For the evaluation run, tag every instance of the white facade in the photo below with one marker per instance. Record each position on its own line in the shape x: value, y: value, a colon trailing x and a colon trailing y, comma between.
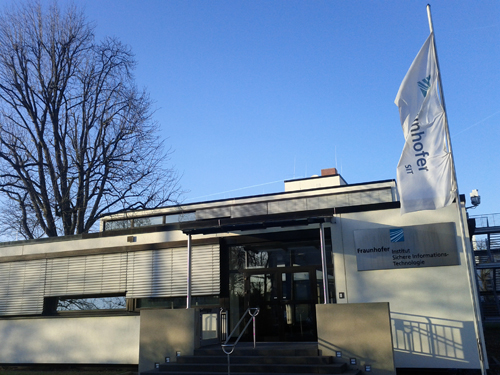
x: 434, y: 324
x: 106, y: 340
x: 431, y: 308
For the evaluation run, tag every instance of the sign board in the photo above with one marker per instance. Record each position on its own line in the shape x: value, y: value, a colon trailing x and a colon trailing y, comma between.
x: 430, y: 245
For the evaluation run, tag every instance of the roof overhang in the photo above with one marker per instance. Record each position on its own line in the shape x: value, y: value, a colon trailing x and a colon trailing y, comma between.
x: 225, y: 225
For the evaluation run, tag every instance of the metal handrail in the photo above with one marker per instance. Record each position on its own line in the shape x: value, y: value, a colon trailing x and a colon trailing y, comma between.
x: 229, y: 348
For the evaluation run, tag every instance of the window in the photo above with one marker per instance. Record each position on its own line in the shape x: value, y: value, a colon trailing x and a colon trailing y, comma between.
x: 177, y: 302
x: 117, y: 225
x: 56, y: 305
x: 273, y: 255
x: 91, y: 303
x: 148, y: 221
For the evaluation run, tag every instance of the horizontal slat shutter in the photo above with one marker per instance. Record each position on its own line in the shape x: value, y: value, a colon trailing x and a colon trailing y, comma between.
x: 178, y: 272
x: 21, y: 287
x: 139, y: 271
x: 206, y: 270
x: 163, y: 273
x: 87, y: 275
x: 157, y: 273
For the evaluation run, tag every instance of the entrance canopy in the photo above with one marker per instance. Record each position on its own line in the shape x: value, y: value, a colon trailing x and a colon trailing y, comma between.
x: 256, y: 222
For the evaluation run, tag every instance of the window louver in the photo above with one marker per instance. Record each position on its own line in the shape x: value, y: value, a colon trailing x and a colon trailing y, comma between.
x: 163, y: 273
x: 86, y: 275
x: 142, y: 274
x: 21, y: 287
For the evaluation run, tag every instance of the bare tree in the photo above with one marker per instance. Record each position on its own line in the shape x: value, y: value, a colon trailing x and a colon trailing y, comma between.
x: 77, y: 137
x: 79, y: 304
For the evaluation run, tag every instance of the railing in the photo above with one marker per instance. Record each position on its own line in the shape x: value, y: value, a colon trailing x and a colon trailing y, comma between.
x: 488, y: 220
x: 229, y: 348
x: 486, y: 245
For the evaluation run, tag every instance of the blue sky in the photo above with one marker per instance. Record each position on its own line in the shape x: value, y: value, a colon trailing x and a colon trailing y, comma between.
x: 252, y: 93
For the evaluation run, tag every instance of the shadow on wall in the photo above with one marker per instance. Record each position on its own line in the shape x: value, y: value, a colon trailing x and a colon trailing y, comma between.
x: 444, y: 340
x: 432, y: 315
x: 364, y: 355
x: 359, y: 335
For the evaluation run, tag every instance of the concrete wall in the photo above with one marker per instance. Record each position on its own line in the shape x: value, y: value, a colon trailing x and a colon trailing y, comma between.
x: 96, y: 340
x: 166, y: 332
x: 432, y: 313
x: 358, y: 330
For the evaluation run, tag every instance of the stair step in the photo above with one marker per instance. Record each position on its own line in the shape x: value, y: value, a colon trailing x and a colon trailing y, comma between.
x: 307, y: 352
x: 267, y: 358
x: 158, y: 372
x: 334, y: 368
x: 317, y: 360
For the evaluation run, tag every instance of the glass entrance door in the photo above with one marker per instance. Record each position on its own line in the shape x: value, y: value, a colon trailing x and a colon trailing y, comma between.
x: 298, y: 302
x: 286, y: 299
x: 281, y: 274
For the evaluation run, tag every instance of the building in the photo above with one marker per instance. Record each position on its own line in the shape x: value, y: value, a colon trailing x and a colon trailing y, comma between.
x: 321, y: 251
x: 486, y: 244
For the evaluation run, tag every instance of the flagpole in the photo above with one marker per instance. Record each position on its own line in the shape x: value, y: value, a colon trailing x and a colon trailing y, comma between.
x: 468, y: 257
x: 441, y: 94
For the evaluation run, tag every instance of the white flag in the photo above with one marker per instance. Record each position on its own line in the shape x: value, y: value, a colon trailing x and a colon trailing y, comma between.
x: 424, y: 173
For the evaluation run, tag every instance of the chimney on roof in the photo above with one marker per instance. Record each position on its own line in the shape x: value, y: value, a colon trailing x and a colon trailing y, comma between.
x: 330, y: 177
x: 329, y: 172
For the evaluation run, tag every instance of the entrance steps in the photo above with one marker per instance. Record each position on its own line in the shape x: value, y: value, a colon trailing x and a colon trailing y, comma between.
x: 266, y: 358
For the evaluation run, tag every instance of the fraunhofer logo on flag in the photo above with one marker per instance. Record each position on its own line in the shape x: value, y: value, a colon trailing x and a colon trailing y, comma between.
x: 424, y: 172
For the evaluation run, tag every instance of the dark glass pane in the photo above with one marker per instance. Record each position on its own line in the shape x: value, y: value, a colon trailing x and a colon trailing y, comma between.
x: 117, y: 224
x: 148, y: 221
x: 237, y: 258
x: 236, y: 299
x: 262, y: 289
x: 281, y: 254
x: 301, y: 286
x: 177, y: 302
x: 85, y: 304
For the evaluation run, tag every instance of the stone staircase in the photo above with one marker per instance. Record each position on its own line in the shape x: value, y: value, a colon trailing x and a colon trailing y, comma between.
x: 266, y: 358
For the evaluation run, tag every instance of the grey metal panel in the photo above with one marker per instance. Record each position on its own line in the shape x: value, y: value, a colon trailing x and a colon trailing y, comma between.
x: 384, y: 195
x: 370, y: 197
x: 277, y: 207
x: 322, y: 202
x: 213, y: 213
x: 328, y: 201
x: 289, y: 205
x: 349, y: 199
x: 341, y: 200
x: 251, y: 209
x: 313, y: 203
x: 21, y: 287
x: 356, y: 199
x: 297, y: 204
